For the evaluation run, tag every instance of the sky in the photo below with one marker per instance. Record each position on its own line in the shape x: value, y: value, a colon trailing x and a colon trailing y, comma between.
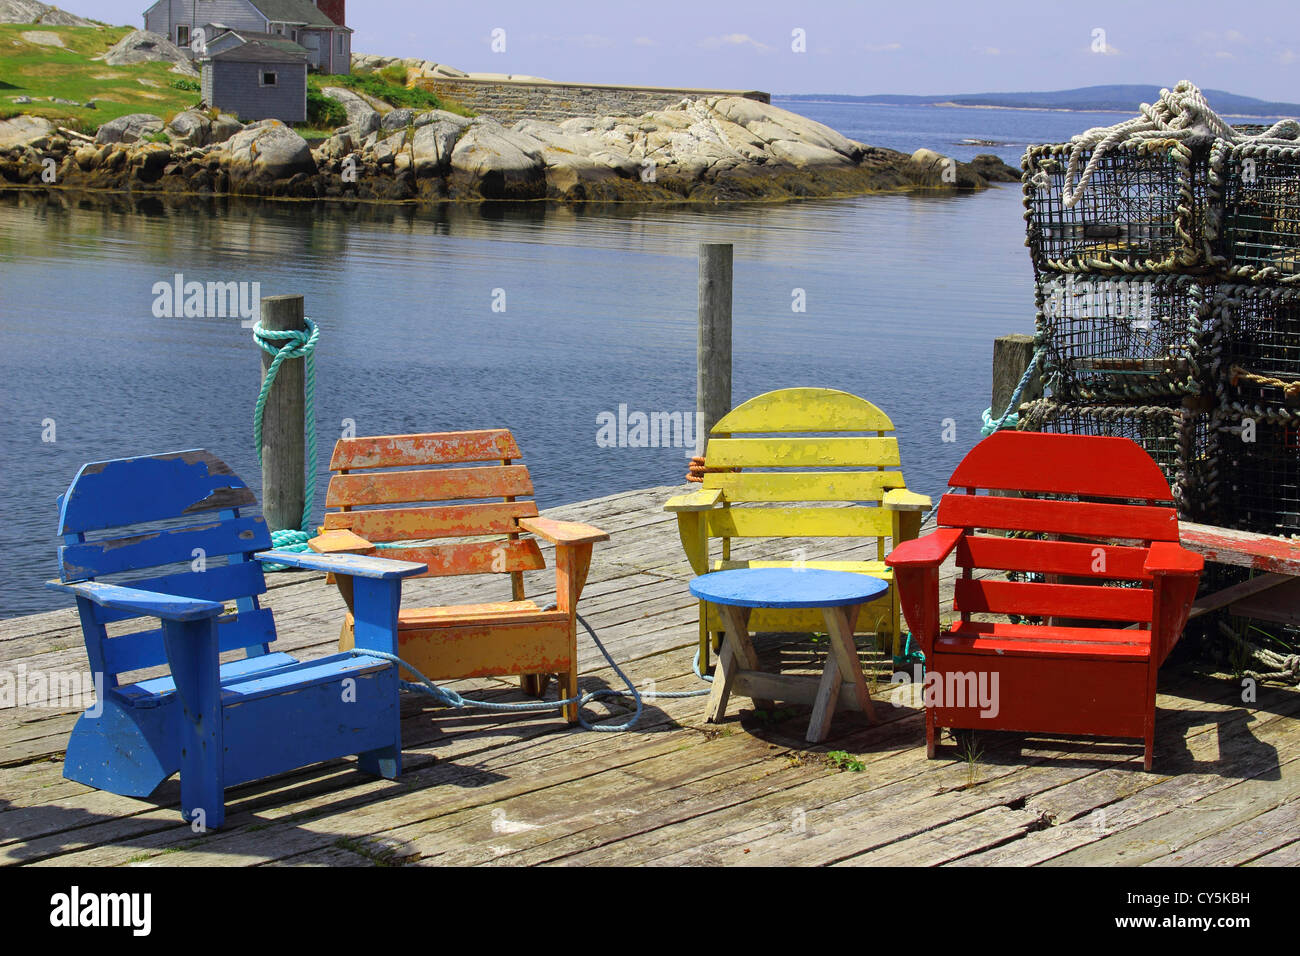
x: 838, y: 46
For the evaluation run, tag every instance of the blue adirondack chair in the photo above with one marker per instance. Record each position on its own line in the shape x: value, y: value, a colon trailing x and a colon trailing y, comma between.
x: 217, y: 724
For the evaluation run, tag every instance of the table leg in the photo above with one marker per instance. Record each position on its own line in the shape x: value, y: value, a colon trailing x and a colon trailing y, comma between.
x: 737, y: 654
x: 842, y: 666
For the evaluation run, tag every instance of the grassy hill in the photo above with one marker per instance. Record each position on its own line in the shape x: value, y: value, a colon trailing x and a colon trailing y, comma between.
x: 29, y: 67
x: 41, y: 61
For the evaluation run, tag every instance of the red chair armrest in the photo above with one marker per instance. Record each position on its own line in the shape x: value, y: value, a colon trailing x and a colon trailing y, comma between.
x: 933, y: 549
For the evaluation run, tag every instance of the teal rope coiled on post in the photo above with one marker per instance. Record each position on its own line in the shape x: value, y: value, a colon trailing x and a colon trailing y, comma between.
x: 291, y: 344
x: 1010, y: 416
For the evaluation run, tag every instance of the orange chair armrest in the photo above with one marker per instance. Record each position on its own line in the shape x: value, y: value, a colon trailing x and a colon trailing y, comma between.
x: 563, y: 532
x: 340, y: 541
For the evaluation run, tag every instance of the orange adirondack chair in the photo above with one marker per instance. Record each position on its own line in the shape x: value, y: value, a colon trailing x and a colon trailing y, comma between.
x: 462, y: 520
x: 1104, y: 513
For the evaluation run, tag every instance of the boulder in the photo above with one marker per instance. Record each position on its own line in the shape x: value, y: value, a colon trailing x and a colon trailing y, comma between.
x: 397, y: 119
x: 498, y: 163
x: 28, y: 11
x: 802, y: 155
x: 198, y: 128
x: 994, y: 169
x: 363, y: 118
x: 23, y: 130
x: 771, y: 123
x: 267, y: 151
x: 129, y: 129
x: 433, y: 145
x: 142, y: 46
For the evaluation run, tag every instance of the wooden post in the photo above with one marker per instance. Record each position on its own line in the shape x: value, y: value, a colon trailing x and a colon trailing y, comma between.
x: 1011, y: 356
x: 713, y: 357
x: 283, y: 443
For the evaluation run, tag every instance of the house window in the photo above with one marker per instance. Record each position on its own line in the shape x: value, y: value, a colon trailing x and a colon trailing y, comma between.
x: 279, y: 28
x: 294, y: 36
x: 343, y: 43
x: 182, y: 36
x: 270, y: 78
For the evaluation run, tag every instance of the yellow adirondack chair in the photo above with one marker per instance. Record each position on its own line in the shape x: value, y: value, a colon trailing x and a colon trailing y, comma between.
x: 798, y: 467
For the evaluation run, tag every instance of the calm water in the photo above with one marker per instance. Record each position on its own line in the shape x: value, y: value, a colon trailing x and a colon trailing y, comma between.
x: 904, y: 297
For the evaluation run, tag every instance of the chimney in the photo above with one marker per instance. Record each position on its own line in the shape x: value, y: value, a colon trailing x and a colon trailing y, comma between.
x: 335, y: 10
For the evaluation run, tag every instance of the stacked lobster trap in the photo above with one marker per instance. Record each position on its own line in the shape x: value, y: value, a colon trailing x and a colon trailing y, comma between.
x: 1166, y: 255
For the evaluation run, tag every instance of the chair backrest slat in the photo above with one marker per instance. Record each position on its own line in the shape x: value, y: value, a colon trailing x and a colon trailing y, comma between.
x: 477, y: 557
x: 442, y: 484
x: 413, y: 524
x: 1064, y: 600
x: 395, y: 451
x: 148, y: 515
x: 771, y: 486
x: 112, y: 494
x: 1084, y: 518
x: 802, y: 452
x: 1073, y: 558
x: 800, y: 522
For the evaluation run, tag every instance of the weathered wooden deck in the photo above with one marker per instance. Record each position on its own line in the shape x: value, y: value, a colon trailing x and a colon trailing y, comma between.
x: 517, y: 790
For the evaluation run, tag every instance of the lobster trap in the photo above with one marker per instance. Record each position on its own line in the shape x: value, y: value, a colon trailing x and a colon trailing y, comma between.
x: 1259, y: 237
x: 1108, y: 338
x: 1179, y: 439
x: 1257, y: 339
x: 1259, y: 471
x: 1144, y: 209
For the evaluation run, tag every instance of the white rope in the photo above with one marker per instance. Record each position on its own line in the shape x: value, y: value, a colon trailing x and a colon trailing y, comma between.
x: 1181, y: 114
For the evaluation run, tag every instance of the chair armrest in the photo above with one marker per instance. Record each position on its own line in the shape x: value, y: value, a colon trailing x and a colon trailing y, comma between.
x: 930, y: 551
x: 340, y: 541
x: 563, y: 532
x: 900, y: 499
x: 167, y: 607
x: 1165, y: 557
x: 703, y: 500
x: 354, y: 565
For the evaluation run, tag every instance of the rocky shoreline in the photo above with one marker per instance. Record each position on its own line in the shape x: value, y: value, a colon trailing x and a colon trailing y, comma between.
x: 719, y: 149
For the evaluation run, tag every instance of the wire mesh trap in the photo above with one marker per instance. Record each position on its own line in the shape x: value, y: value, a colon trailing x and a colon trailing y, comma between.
x: 1260, y: 235
x: 1257, y: 333
x: 1109, y: 338
x: 1145, y: 208
x: 1259, y: 469
x: 1180, y: 440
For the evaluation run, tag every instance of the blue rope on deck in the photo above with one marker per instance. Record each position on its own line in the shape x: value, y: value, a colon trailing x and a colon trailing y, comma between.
x: 284, y: 345
x: 449, y: 698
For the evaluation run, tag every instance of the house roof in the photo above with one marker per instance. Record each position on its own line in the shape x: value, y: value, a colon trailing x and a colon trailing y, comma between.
x: 293, y: 11
x: 262, y: 51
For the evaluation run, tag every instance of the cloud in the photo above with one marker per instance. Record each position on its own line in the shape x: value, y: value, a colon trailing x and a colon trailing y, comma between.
x: 1287, y: 57
x: 1222, y: 55
x: 735, y: 39
x: 882, y: 47
x: 644, y: 41
x: 988, y: 51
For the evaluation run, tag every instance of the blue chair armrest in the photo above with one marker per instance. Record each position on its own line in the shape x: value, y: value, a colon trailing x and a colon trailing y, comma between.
x: 167, y: 607
x: 356, y: 565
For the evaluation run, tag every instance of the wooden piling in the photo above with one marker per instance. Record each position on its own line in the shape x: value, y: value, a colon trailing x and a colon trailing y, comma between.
x: 283, y: 443
x: 713, y: 357
x: 1011, y: 356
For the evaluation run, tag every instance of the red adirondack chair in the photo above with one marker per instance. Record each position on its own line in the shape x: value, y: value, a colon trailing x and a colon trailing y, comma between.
x: 1101, y: 512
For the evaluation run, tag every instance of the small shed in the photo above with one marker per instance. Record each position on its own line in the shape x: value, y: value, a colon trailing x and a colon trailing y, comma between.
x: 257, y: 79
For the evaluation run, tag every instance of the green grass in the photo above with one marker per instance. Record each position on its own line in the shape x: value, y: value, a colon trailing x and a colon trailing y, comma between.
x: 68, y: 72
x: 382, y: 85
x: 842, y: 760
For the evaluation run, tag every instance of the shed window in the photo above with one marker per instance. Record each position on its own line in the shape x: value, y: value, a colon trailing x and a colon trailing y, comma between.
x: 182, y: 35
x: 270, y: 78
x: 343, y: 43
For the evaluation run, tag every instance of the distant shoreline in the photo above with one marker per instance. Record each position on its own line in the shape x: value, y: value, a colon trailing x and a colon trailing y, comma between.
x: 812, y: 98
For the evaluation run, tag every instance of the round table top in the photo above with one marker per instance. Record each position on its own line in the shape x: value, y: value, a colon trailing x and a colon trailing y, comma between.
x: 787, y: 587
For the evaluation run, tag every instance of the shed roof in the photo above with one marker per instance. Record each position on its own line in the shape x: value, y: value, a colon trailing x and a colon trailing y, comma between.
x: 263, y: 51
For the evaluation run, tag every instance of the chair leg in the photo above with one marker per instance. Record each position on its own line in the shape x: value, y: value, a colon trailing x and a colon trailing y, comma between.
x: 569, y: 688
x: 931, y: 734
x: 192, y: 649
x: 534, y: 685
x: 385, y: 762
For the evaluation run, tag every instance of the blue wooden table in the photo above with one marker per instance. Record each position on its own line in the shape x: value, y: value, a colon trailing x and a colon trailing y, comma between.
x: 838, y: 593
